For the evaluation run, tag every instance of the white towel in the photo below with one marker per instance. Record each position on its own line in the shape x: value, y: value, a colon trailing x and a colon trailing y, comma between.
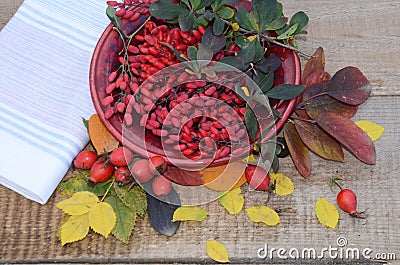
x: 45, y: 53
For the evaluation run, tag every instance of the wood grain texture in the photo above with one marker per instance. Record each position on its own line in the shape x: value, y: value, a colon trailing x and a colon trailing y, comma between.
x: 362, y: 33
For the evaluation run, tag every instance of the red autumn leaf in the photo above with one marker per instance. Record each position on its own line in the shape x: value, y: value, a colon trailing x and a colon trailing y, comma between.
x: 349, y: 135
x: 315, y: 64
x: 184, y: 177
x: 298, y: 151
x: 314, y: 106
x: 316, y: 77
x: 318, y: 141
x: 350, y: 86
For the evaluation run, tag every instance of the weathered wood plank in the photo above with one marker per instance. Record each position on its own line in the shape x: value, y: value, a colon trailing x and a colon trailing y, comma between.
x: 359, y: 33
x: 28, y: 230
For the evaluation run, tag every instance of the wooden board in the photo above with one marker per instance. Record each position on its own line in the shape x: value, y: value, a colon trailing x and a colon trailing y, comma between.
x: 359, y: 33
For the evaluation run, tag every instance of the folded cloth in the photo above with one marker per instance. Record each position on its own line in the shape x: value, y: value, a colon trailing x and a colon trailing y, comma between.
x: 45, y: 53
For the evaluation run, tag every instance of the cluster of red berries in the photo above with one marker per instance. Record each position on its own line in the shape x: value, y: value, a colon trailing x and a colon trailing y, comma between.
x: 116, y: 164
x: 187, y: 113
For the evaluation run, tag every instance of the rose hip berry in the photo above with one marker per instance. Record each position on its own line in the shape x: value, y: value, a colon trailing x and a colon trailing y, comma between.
x: 157, y: 164
x: 161, y: 186
x: 141, y: 170
x: 257, y: 177
x: 101, y: 171
x: 123, y: 176
x: 347, y: 201
x: 121, y: 157
x: 85, y: 159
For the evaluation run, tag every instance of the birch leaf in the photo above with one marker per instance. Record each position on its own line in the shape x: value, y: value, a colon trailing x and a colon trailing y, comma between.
x: 374, y: 131
x: 189, y: 213
x: 327, y: 213
x: 283, y: 184
x: 79, y: 203
x: 74, y: 229
x: 232, y: 201
x: 263, y: 214
x: 217, y: 251
x: 102, y: 218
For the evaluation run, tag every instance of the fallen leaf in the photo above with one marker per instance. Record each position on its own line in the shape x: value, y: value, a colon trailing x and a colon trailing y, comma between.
x: 102, y: 218
x: 283, y: 184
x: 349, y: 135
x: 74, y: 228
x: 314, y: 64
x: 232, y: 201
x: 79, y: 203
x: 79, y: 183
x: 134, y: 198
x: 125, y: 221
x: 217, y: 251
x: 318, y: 141
x: 225, y: 177
x: 189, y: 213
x: 374, y: 131
x: 350, y: 86
x: 326, y: 213
x: 316, y: 77
x: 102, y: 140
x: 298, y: 151
x: 263, y: 214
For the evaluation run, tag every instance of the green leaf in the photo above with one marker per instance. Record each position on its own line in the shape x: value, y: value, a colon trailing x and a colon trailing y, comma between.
x: 216, y: 43
x: 192, y: 53
x: 186, y: 20
x: 86, y: 123
x: 218, y: 26
x: 265, y: 81
x: 135, y: 198
x: 111, y: 14
x: 225, y: 12
x: 252, y: 52
x: 285, y: 91
x: 189, y: 213
x: 288, y: 33
x: 166, y: 9
x: 277, y: 23
x: 232, y: 61
x: 265, y: 11
x: 245, y: 19
x: 301, y: 19
x: 251, y: 122
x: 202, y: 4
x: 79, y: 183
x: 201, y: 20
x: 209, y: 15
x: 204, y: 53
x: 126, y: 219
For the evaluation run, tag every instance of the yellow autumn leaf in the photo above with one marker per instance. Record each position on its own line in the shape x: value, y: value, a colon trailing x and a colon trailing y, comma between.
x: 326, y: 213
x: 79, y: 203
x: 74, y: 228
x: 283, y: 185
x: 102, y: 218
x: 217, y: 251
x: 232, y: 201
x: 374, y: 131
x: 251, y: 38
x: 189, y: 213
x: 102, y: 140
x: 251, y: 159
x: 263, y: 214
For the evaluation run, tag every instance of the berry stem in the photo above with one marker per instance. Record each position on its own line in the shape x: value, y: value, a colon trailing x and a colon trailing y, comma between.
x: 108, y: 190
